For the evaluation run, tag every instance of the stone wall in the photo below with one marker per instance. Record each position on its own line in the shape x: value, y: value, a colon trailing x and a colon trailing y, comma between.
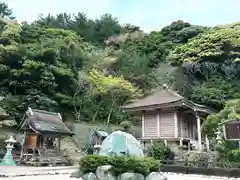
x: 104, y: 173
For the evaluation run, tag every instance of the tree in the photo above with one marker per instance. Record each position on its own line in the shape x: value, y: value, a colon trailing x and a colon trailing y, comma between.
x: 114, y: 90
x: 214, y: 45
x: 5, y: 12
x: 208, y: 59
x: 230, y: 111
x: 89, y: 67
x: 215, y: 92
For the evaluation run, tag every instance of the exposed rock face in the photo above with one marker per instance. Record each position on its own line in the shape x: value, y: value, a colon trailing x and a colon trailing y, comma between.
x: 104, y: 173
x: 89, y: 176
x: 156, y: 176
x: 130, y: 176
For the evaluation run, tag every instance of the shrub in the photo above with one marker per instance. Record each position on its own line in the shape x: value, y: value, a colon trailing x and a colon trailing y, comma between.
x: 201, y: 159
x: 160, y: 151
x: 121, y: 164
x: 224, y: 148
x: 125, y: 126
x: 234, y: 155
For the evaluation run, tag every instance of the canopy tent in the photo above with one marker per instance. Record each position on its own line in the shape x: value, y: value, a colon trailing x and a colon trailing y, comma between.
x: 121, y: 143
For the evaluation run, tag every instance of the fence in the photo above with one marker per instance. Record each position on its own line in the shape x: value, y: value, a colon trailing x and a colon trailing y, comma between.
x: 205, y: 168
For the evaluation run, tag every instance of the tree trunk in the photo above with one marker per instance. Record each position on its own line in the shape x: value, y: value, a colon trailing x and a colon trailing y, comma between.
x: 77, y: 113
x: 109, y: 114
x: 96, y: 113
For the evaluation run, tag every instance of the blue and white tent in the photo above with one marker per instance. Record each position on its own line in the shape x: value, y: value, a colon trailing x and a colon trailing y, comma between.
x: 121, y: 143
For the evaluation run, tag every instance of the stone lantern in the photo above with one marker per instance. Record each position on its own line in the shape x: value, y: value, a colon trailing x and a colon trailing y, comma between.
x: 8, y: 158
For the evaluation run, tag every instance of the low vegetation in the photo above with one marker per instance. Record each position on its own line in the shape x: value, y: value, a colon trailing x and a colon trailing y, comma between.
x: 160, y: 151
x: 120, y: 164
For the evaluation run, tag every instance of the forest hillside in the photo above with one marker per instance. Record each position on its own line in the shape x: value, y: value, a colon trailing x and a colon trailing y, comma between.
x: 86, y: 69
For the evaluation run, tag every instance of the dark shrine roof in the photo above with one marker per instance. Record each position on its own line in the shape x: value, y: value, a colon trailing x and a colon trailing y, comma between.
x: 45, y: 122
x: 231, y: 121
x: 101, y: 133
x: 164, y: 98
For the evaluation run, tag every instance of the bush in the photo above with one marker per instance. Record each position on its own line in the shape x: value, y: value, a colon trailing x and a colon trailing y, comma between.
x: 160, y: 151
x: 125, y: 126
x: 121, y: 164
x: 224, y: 148
x: 201, y: 159
x: 234, y: 155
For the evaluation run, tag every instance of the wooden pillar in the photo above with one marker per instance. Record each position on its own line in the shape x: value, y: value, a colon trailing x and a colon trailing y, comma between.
x: 158, y: 124
x: 207, y: 142
x: 176, y: 124
x: 44, y: 144
x: 58, y: 145
x: 165, y: 142
x: 199, y: 132
x: 181, y: 141
x: 143, y: 128
x: 23, y: 143
x: 194, y: 130
x: 189, y: 145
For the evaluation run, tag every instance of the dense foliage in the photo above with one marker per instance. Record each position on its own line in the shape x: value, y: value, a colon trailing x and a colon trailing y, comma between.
x: 229, y: 112
x: 86, y: 69
x: 234, y: 156
x: 121, y: 164
x: 160, y: 151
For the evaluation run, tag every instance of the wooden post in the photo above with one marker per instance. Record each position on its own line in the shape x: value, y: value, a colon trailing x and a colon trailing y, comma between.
x: 207, y: 142
x: 199, y: 132
x: 158, y: 124
x: 189, y: 145
x: 44, y: 145
x: 143, y: 127
x: 23, y: 143
x: 175, y: 124
x: 165, y: 142
x: 59, y: 146
x: 181, y: 141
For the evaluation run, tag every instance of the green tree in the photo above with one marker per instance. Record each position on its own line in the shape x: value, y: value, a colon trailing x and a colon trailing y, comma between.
x: 230, y: 111
x: 113, y: 90
x: 5, y: 12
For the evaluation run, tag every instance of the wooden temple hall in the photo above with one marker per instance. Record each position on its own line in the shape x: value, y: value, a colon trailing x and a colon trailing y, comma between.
x: 169, y: 117
x: 42, y: 133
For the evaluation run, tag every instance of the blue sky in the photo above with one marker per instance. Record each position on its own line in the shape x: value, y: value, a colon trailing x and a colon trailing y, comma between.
x: 148, y: 14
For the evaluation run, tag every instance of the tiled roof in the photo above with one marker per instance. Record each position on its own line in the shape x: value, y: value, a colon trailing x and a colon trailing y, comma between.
x: 46, y: 122
x: 159, y: 97
x: 164, y: 97
x: 101, y: 133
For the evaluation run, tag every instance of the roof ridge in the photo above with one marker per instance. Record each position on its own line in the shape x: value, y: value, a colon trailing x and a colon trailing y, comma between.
x: 45, y: 112
x: 174, y: 93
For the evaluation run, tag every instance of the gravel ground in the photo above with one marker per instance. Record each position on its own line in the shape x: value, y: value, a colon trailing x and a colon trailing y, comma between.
x: 170, y: 176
